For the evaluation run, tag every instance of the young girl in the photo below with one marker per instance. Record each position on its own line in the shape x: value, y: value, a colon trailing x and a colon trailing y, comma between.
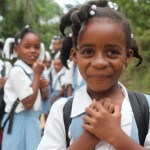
x: 24, y: 84
x: 46, y: 75
x: 57, y: 83
x: 102, y: 116
x: 56, y: 47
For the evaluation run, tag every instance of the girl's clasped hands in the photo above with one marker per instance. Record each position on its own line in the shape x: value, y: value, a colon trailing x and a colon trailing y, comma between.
x: 103, y: 119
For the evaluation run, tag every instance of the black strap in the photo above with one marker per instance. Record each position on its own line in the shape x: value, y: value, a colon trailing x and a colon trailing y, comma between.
x: 3, y: 70
x: 11, y: 117
x: 23, y: 70
x: 140, y: 109
x: 67, y: 119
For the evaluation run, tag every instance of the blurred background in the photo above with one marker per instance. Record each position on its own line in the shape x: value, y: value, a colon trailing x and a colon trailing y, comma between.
x: 43, y: 16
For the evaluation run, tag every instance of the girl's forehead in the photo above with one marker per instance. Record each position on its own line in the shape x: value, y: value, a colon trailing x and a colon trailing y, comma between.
x: 31, y: 34
x: 31, y: 37
x: 105, y: 25
x: 105, y: 30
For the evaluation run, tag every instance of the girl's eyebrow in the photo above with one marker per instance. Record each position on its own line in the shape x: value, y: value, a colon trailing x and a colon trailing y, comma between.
x: 86, y: 45
x: 92, y: 45
x: 113, y: 45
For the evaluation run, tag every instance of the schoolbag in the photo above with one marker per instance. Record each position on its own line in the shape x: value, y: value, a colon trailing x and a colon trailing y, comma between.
x: 11, y: 114
x: 140, y: 109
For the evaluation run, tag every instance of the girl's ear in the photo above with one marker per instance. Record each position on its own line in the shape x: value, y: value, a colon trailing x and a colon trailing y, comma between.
x: 129, y: 56
x: 73, y: 54
x: 16, y: 49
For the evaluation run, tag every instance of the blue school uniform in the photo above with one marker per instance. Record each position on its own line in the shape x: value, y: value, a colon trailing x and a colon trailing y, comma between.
x: 78, y: 81
x: 46, y: 102
x: 26, y: 132
x: 57, y: 84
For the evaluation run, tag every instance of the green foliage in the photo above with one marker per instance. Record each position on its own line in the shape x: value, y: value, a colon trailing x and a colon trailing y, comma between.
x: 36, y: 13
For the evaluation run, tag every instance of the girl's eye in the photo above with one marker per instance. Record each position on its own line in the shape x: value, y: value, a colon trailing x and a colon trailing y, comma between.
x: 37, y: 47
x: 113, y: 52
x: 88, y: 52
x: 27, y: 46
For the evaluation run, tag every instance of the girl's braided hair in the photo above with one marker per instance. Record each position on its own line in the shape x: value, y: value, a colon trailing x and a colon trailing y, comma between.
x: 77, y: 17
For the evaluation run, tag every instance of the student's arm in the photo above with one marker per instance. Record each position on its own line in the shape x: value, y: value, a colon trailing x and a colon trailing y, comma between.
x: 43, y: 88
x: 59, y: 94
x: 38, y: 68
x: 106, y: 126
x: 125, y: 142
x: 69, y: 89
x: 86, y: 141
x: 2, y: 81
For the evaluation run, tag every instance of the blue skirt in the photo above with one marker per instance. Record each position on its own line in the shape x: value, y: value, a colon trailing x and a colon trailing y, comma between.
x: 46, y: 104
x: 26, y: 132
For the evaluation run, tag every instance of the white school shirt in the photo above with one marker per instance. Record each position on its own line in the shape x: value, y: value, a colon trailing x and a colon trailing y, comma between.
x: 58, y: 84
x: 54, y: 135
x: 46, y: 73
x: 19, y: 85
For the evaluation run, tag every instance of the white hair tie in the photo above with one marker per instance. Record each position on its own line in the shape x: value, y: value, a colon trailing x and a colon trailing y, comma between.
x: 113, y: 5
x: 93, y: 9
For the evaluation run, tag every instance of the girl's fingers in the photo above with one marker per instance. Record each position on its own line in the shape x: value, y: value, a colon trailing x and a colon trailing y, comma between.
x: 90, y: 111
x: 116, y: 109
x: 87, y: 119
x: 111, y: 109
x: 107, y: 103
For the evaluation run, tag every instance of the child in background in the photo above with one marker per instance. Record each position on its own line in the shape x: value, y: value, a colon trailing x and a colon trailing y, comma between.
x: 73, y: 79
x: 25, y: 84
x: 58, y: 87
x: 56, y: 45
x: 46, y: 75
x: 102, y: 116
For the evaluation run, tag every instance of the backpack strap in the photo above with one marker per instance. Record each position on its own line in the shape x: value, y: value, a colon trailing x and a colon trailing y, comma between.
x: 140, y: 109
x: 67, y: 119
x: 23, y: 70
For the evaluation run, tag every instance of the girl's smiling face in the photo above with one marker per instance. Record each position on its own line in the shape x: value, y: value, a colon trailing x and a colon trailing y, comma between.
x: 101, y: 54
x: 29, y: 48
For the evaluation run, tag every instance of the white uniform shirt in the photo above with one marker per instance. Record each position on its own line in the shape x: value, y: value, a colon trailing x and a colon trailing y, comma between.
x: 18, y: 85
x: 57, y: 85
x: 54, y: 136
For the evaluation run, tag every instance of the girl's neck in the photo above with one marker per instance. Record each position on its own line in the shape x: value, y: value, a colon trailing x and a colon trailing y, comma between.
x: 114, y: 93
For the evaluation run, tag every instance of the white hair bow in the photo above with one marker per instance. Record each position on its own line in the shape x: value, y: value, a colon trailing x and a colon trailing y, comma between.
x: 7, y: 49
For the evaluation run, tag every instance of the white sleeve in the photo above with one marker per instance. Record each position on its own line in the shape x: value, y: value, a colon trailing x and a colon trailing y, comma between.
x: 54, y: 137
x: 21, y: 83
x: 68, y: 77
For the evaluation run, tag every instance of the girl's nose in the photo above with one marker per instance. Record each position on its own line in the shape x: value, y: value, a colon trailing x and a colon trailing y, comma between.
x: 100, y: 61
x: 33, y: 49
